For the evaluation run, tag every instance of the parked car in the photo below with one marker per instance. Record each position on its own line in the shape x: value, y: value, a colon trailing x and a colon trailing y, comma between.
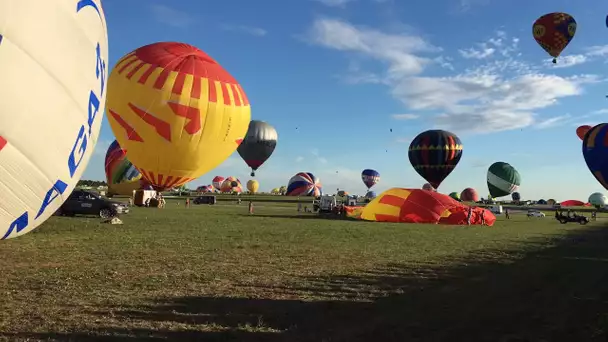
x: 535, y: 213
x: 82, y: 202
x: 205, y: 200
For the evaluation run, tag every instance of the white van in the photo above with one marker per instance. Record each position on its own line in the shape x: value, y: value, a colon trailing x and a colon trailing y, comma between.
x: 495, y: 209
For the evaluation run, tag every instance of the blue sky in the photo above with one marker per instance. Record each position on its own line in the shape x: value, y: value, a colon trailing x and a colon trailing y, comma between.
x: 346, y: 72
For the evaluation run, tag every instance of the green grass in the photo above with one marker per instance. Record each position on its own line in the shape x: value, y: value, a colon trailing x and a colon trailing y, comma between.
x: 216, y: 273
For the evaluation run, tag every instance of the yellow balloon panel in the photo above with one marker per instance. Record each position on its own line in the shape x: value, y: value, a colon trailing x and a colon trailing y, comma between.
x: 253, y: 186
x: 176, y: 111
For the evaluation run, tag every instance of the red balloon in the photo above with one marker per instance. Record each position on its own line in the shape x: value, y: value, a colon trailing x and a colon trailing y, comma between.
x: 582, y: 130
x: 469, y: 195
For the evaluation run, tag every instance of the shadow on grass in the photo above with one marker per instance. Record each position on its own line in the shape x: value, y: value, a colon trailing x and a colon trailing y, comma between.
x: 559, y: 293
x: 308, y: 217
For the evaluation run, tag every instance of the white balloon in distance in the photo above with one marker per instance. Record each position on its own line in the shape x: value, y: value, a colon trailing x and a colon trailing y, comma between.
x: 53, y: 56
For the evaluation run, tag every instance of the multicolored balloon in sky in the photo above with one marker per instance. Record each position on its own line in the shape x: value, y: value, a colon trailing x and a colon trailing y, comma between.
x: 370, y: 177
x: 304, y: 184
x: 434, y: 155
x: 122, y: 177
x: 176, y: 111
x: 595, y: 150
x: 553, y: 32
x: 53, y: 69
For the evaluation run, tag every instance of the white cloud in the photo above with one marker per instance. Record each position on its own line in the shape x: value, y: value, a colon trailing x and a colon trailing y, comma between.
x: 171, y: 16
x: 500, y: 43
x: 590, y: 54
x: 402, y: 140
x: 299, y: 159
x: 254, y: 31
x: 335, y: 3
x: 554, y: 121
x: 502, y: 92
x: 397, y: 51
x: 405, y: 116
x: 567, y: 61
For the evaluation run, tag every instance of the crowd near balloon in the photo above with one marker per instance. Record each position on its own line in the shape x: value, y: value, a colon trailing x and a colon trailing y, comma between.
x: 177, y: 113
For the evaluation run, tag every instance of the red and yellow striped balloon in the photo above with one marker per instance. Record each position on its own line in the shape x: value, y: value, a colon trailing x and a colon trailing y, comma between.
x: 176, y: 112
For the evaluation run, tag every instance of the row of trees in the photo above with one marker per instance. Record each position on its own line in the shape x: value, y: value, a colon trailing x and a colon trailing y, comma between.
x: 91, y: 183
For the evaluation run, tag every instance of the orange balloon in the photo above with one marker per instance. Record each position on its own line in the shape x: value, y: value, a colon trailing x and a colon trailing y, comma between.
x: 582, y: 130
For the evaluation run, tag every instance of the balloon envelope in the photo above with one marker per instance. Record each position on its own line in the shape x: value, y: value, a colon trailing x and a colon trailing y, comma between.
x: 595, y: 151
x: 598, y: 199
x: 176, y: 111
x: 217, y: 182
x: 53, y: 69
x: 516, y: 196
x: 428, y: 187
x: 304, y: 184
x: 121, y: 176
x: 231, y: 184
x: 419, y: 206
x: 503, y: 179
x: 582, y: 130
x: 553, y: 32
x: 434, y: 154
x: 258, y: 145
x: 370, y: 177
x: 469, y: 195
x: 253, y: 186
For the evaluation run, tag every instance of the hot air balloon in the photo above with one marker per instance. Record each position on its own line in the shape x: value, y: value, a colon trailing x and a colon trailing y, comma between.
x: 419, y: 206
x: 205, y: 189
x: 258, y: 145
x: 595, y: 150
x: 455, y: 196
x: 434, y: 154
x: 428, y: 187
x: 553, y: 32
x: 122, y: 177
x: 503, y: 179
x: 53, y: 57
x: 217, y: 182
x: 231, y: 185
x: 304, y: 184
x: 582, y: 130
x: 516, y: 196
x: 598, y: 199
x: 176, y: 111
x: 469, y: 195
x: 253, y: 186
x: 370, y: 177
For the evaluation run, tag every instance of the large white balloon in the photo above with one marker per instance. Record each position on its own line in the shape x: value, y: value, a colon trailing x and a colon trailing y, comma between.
x: 53, y: 75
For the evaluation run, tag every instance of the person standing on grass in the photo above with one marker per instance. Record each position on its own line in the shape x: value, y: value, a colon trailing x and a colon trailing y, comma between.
x: 250, y: 207
x: 483, y: 217
x: 594, y: 215
x: 187, y: 202
x: 507, y: 216
x: 469, y: 216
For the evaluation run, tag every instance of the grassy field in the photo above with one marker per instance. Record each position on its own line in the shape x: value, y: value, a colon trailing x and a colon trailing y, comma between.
x: 215, y: 273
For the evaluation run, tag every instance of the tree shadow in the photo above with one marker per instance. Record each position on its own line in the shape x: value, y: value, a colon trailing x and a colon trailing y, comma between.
x: 540, y: 293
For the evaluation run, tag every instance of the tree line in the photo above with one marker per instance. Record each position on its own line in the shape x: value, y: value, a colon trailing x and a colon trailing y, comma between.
x: 91, y: 183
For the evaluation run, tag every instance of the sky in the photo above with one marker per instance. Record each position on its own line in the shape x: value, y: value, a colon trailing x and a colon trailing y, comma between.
x: 334, y: 77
